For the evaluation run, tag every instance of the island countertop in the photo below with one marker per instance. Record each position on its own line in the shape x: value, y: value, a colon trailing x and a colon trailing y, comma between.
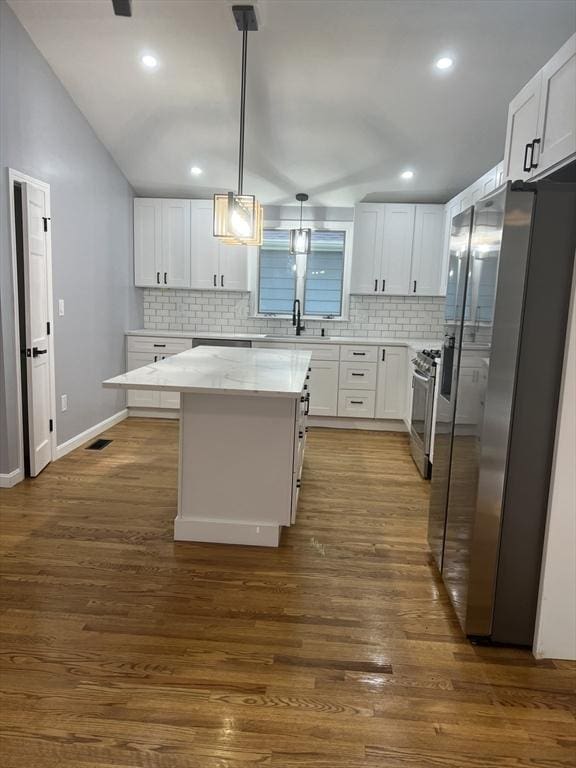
x: 223, y: 370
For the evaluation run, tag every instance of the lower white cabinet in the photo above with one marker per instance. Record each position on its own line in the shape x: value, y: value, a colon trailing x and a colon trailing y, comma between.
x: 358, y: 376
x: 356, y: 403
x: 323, y: 388
x: 391, y: 390
x: 145, y: 350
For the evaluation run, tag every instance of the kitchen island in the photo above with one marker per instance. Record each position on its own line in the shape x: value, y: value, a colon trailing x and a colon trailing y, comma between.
x: 242, y: 436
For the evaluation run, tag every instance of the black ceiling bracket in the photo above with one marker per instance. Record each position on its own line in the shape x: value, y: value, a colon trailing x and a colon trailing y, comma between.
x: 245, y: 17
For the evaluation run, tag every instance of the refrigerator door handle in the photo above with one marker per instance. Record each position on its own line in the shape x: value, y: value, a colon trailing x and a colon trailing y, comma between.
x: 527, y: 166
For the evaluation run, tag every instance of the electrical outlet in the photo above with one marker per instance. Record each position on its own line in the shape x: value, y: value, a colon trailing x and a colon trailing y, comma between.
x: 64, y: 401
x: 61, y: 307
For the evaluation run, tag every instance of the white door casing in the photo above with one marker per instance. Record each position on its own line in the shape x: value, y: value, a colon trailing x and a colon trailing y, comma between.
x: 37, y: 287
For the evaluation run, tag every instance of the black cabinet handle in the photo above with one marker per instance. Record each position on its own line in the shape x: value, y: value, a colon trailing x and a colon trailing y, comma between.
x: 159, y: 345
x: 359, y: 354
x: 155, y: 358
x: 527, y: 167
x: 376, y: 284
x: 307, y: 411
x: 414, y: 291
x: 383, y: 355
x: 215, y: 283
x: 532, y: 163
x: 357, y: 402
x: 358, y: 374
x: 300, y: 435
x: 383, y: 285
x: 221, y: 281
x: 158, y: 277
x: 165, y: 276
x: 298, y: 483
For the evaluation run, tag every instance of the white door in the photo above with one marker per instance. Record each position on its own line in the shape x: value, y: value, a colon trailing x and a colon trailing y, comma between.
x: 147, y: 242
x: 38, y: 363
x: 391, y: 387
x: 142, y: 398
x: 323, y: 388
x: 522, y: 130
x: 367, y: 253
x: 203, y: 247
x: 233, y: 267
x: 397, y: 248
x: 427, y: 251
x: 557, y: 123
x: 176, y: 243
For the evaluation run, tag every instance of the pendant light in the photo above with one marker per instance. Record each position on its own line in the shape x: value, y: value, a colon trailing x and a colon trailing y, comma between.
x: 238, y: 218
x: 300, y: 239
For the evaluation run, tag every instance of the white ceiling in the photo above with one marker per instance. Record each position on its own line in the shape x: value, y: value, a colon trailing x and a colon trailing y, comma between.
x: 342, y: 94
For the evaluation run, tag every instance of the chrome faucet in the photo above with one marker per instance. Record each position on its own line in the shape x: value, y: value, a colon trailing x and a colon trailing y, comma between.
x: 296, y: 317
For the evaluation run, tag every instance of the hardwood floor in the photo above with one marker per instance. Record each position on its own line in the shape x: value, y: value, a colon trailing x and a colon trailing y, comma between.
x: 338, y: 650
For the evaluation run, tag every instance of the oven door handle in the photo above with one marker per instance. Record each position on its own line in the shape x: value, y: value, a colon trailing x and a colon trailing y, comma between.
x: 420, y: 376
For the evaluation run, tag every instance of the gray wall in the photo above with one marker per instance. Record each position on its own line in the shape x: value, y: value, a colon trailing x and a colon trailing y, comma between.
x: 43, y: 134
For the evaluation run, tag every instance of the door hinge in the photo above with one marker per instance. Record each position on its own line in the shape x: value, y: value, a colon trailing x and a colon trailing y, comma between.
x: 51, y: 425
x: 45, y: 219
x: 47, y: 329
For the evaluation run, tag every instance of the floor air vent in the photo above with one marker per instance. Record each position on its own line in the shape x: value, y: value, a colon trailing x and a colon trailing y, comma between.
x: 97, y: 445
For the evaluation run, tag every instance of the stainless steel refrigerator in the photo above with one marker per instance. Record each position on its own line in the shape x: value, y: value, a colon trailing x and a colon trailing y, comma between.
x: 510, y: 275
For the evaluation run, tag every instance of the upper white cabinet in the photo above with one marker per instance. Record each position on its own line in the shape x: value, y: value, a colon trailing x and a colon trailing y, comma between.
x: 397, y: 249
x: 427, y: 250
x: 162, y: 243
x: 541, y: 131
x: 174, y: 247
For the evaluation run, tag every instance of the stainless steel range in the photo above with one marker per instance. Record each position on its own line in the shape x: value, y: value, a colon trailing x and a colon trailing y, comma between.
x: 422, y: 420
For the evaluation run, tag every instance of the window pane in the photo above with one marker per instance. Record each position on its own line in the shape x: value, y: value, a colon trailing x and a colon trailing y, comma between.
x: 325, y: 274
x: 277, y: 283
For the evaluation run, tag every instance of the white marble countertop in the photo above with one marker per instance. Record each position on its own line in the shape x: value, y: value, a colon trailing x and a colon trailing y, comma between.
x: 223, y: 370
x: 306, y: 340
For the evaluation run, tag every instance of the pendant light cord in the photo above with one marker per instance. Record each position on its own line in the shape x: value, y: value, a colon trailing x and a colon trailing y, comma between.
x: 242, y: 110
x: 301, y: 204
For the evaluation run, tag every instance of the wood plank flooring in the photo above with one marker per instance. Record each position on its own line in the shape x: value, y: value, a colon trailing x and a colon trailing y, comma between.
x: 338, y: 650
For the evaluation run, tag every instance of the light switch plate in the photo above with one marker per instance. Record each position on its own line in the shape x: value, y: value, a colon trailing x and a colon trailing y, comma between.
x: 64, y: 401
x: 61, y: 307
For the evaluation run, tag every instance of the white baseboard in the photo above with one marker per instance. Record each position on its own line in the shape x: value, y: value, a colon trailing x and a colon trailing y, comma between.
x: 88, y: 434
x: 154, y: 413
x: 227, y: 532
x: 11, y: 478
x: 344, y: 422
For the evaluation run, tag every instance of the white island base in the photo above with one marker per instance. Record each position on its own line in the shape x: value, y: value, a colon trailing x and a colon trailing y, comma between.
x: 239, y: 469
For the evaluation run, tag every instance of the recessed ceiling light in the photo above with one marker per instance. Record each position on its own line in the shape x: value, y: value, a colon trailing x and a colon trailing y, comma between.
x: 196, y: 171
x: 407, y: 175
x: 445, y: 62
x: 149, y: 61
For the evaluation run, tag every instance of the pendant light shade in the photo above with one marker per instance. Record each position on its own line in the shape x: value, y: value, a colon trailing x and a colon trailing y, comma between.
x: 300, y: 239
x: 238, y: 218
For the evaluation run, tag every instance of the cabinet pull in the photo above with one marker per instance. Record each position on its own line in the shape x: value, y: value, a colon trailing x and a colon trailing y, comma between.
x: 383, y: 285
x: 298, y: 483
x: 158, y: 277
x: 300, y: 435
x: 215, y: 281
x: 221, y: 281
x: 357, y: 402
x: 359, y: 354
x: 383, y: 355
x: 358, y: 374
x: 155, y: 358
x: 527, y: 166
x: 414, y: 291
x: 307, y: 411
x: 376, y: 284
x: 532, y: 163
x: 165, y: 276
x: 159, y: 345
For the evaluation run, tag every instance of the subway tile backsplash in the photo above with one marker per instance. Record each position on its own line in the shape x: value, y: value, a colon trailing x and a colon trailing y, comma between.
x: 412, y: 317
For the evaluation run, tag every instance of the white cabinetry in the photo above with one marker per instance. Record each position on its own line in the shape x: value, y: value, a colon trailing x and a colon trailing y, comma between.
x: 162, y: 243
x: 214, y: 265
x: 541, y: 130
x: 145, y: 350
x: 391, y: 390
x: 396, y: 244
x: 323, y: 388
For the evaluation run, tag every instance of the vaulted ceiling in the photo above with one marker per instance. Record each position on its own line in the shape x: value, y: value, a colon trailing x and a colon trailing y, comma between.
x: 342, y: 94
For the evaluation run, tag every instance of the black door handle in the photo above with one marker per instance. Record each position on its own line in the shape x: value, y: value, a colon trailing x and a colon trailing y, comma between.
x: 158, y: 277
x: 532, y: 163
x: 527, y: 167
x: 215, y: 281
x: 376, y: 284
x: 165, y: 276
x: 414, y: 286
x: 383, y: 285
x: 36, y: 351
x: 221, y: 281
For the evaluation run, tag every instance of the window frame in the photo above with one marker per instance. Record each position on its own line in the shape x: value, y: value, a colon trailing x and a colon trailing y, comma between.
x: 330, y: 226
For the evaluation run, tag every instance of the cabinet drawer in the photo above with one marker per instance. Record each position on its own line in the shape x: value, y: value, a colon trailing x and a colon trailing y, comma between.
x: 358, y: 376
x: 358, y: 354
x: 321, y: 351
x: 158, y: 344
x: 356, y: 404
